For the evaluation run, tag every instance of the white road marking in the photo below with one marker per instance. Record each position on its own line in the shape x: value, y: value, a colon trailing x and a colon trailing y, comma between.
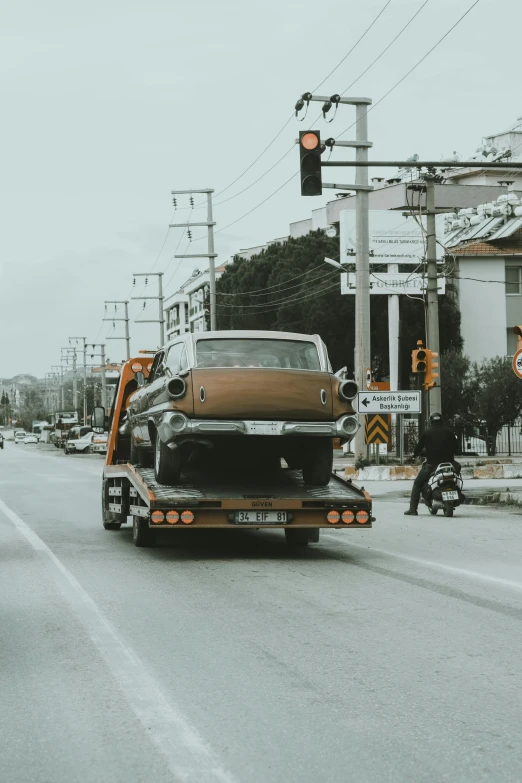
x: 188, y: 756
x: 433, y: 564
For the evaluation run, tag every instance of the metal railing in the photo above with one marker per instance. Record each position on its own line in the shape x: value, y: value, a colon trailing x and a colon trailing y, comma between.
x: 474, y: 442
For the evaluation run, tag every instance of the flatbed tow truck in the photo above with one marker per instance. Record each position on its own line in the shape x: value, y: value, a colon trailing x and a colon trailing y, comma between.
x: 202, y: 500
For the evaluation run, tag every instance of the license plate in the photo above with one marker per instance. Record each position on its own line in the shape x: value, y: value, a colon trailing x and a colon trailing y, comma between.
x: 263, y: 428
x: 260, y: 517
x: 452, y: 495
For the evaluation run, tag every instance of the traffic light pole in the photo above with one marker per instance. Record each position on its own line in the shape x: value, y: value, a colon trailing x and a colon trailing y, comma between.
x: 433, y: 397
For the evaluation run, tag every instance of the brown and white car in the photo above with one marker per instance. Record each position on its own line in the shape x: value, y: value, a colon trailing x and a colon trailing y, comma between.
x: 228, y: 397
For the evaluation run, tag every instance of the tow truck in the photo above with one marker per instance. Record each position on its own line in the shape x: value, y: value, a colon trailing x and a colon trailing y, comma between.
x: 204, y: 500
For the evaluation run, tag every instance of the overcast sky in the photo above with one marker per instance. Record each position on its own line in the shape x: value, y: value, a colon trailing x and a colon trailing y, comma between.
x: 108, y: 105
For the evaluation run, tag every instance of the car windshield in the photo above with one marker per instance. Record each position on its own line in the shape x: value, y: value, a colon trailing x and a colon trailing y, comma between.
x: 254, y: 352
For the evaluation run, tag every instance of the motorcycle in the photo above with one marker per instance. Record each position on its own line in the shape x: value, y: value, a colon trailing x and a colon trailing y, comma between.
x: 444, y: 490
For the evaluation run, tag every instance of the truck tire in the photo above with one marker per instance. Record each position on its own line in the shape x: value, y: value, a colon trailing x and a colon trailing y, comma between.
x: 318, y: 463
x: 141, y: 533
x: 301, y: 537
x: 167, y: 463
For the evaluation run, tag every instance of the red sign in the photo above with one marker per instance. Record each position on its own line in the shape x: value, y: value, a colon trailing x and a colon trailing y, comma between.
x: 517, y: 363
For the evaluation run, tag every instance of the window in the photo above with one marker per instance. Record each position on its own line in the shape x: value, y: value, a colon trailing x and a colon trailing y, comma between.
x: 513, y: 279
x: 177, y: 358
x: 254, y: 352
x: 157, y: 367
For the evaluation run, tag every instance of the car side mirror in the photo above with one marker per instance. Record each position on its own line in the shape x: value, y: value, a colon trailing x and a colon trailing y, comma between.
x: 98, y: 419
x: 140, y: 379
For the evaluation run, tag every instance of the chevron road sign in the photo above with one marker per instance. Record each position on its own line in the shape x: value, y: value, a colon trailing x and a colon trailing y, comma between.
x: 389, y: 402
x: 377, y: 428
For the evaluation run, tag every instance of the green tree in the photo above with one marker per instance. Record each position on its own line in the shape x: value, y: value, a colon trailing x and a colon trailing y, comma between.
x: 32, y: 406
x: 289, y: 288
x: 495, y: 397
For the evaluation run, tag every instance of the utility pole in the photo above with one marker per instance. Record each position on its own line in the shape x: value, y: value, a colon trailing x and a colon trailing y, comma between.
x: 84, y: 376
x: 210, y: 254
x: 101, y: 346
x: 60, y: 367
x: 159, y: 297
x: 68, y: 351
x: 126, y: 319
x: 433, y: 396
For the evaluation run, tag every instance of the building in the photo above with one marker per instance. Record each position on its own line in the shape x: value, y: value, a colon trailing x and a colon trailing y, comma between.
x: 485, y: 245
x: 185, y: 311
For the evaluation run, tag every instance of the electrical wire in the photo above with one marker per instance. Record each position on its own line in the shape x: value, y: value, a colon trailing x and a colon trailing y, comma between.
x: 325, y: 273
x: 260, y: 291
x: 413, y: 68
x: 287, y: 302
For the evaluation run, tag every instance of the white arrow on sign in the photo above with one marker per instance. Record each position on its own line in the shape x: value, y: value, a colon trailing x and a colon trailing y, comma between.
x: 389, y: 402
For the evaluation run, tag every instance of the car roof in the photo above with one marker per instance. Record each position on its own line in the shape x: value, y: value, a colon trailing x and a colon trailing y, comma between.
x: 249, y: 334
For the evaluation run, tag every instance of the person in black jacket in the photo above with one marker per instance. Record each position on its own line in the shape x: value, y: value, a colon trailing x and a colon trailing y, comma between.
x: 439, y: 444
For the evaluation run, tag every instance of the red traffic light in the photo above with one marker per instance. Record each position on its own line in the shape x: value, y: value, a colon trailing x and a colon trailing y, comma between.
x: 310, y: 141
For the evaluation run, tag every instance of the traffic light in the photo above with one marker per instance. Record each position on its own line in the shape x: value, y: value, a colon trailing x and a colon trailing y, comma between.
x: 418, y: 358
x: 431, y: 365
x: 310, y: 156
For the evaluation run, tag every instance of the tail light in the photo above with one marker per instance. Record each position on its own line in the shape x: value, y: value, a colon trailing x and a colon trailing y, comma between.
x: 176, y: 388
x: 187, y: 517
x: 348, y: 517
x: 172, y: 517
x: 157, y: 517
x: 333, y: 517
x: 362, y: 517
x: 348, y: 390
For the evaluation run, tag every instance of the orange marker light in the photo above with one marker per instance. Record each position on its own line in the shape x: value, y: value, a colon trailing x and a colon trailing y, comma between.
x: 172, y: 517
x: 187, y: 517
x: 333, y: 517
x: 348, y: 517
x: 362, y: 517
x: 310, y: 141
x: 157, y: 517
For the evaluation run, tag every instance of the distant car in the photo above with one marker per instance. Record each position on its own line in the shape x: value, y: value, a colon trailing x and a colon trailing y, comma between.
x: 243, y: 396
x: 99, y: 443
x: 30, y: 438
x: 82, y: 444
x: 19, y: 436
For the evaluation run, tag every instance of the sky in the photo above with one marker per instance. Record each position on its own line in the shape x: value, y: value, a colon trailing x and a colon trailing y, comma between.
x: 109, y: 105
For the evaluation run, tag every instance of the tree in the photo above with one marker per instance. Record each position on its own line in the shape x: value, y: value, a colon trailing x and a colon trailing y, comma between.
x: 495, y: 397
x: 32, y: 406
x: 456, y: 388
x: 289, y: 288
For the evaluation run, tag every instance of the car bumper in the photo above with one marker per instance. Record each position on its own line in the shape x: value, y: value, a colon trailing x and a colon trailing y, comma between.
x: 176, y: 425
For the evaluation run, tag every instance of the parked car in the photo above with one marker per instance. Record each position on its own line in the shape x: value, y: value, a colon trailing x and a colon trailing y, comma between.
x: 99, y: 443
x: 83, y: 444
x: 30, y: 438
x: 234, y: 397
x: 19, y: 436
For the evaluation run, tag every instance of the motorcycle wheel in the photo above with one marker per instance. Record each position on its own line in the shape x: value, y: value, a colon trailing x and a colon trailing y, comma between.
x: 448, y: 509
x: 433, y: 511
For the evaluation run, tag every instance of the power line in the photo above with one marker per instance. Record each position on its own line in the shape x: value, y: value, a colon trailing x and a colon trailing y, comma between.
x: 263, y: 291
x: 419, y: 62
x: 285, y: 302
x: 294, y: 298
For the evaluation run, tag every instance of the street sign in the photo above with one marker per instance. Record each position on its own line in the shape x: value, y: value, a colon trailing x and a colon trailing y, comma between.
x: 517, y: 363
x: 377, y: 428
x: 391, y: 401
x: 392, y: 283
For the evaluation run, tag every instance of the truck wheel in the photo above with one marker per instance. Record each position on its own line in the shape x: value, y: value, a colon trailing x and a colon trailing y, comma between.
x: 112, y: 525
x: 141, y: 534
x: 301, y: 537
x: 318, y: 463
x: 167, y: 463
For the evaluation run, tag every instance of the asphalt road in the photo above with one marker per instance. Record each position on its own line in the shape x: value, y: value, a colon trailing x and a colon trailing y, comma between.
x: 391, y: 654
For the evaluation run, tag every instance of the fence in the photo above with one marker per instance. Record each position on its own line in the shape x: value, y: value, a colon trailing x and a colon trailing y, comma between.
x: 508, y: 442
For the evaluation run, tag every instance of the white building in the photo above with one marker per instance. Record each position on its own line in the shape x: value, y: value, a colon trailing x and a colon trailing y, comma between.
x: 486, y: 245
x: 185, y: 311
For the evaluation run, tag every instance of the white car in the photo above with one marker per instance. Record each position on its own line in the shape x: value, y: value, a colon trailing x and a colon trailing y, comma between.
x: 30, y: 438
x: 19, y: 436
x: 82, y: 444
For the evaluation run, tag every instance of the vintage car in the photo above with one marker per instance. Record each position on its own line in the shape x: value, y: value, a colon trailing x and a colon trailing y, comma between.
x: 228, y: 398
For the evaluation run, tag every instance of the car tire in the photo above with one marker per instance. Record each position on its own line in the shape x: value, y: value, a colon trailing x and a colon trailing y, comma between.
x: 318, y: 463
x: 167, y: 463
x: 141, y: 533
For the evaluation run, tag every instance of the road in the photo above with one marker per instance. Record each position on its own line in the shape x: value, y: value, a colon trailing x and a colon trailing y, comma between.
x: 391, y: 654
